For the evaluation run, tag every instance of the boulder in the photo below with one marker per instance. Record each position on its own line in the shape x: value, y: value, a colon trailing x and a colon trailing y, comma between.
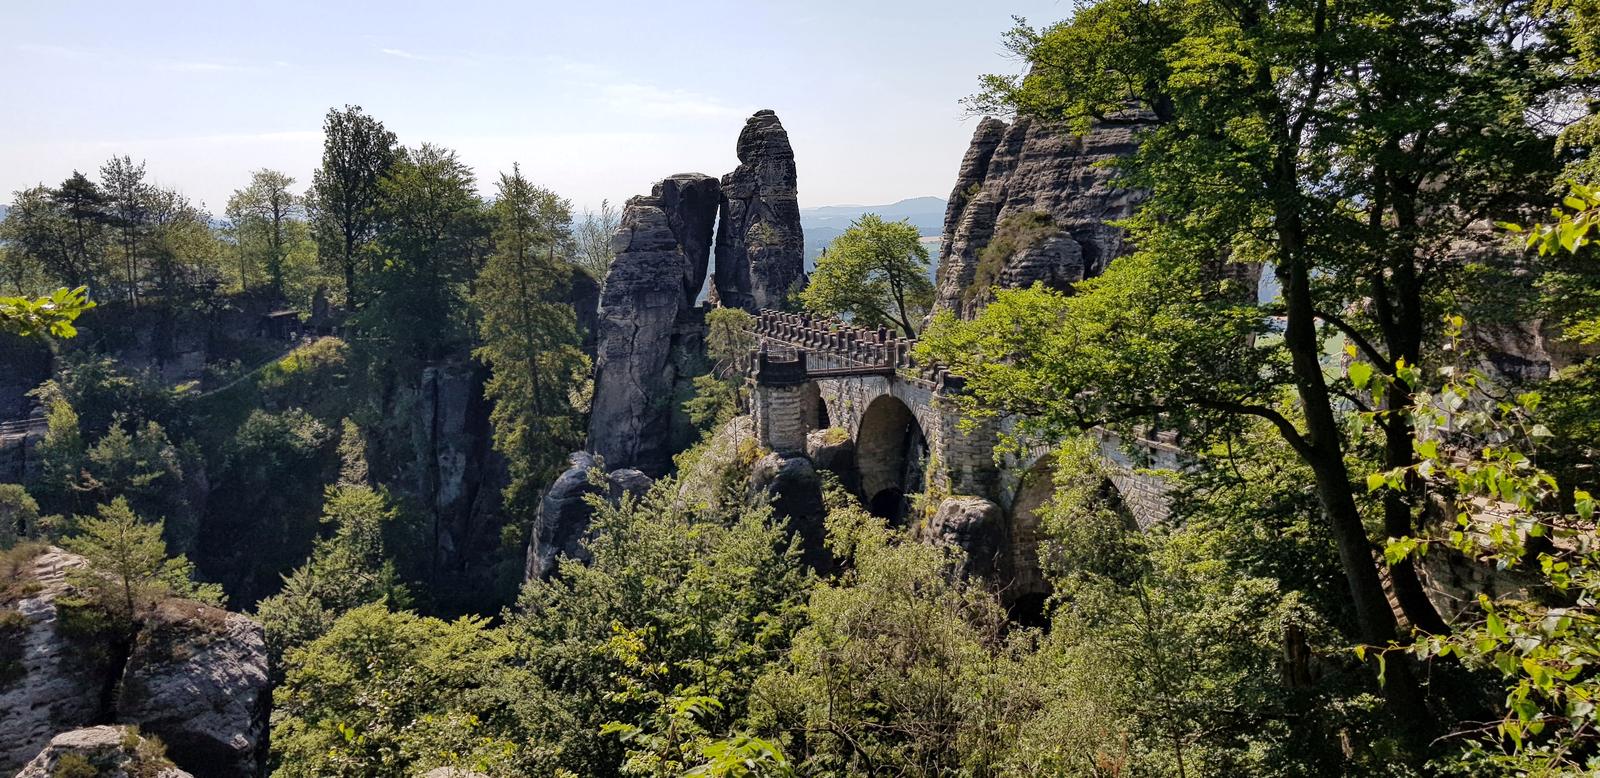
x: 833, y: 450
x: 111, y: 751
x: 760, y: 247
x: 651, y: 334
x: 195, y: 675
x: 795, y: 489
x: 562, y: 523
x: 977, y: 527
x: 1044, y: 196
x: 197, y: 678
x: 627, y: 481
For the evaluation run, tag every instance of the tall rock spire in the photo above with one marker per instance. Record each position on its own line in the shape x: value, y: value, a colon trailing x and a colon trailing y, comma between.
x: 760, y: 248
x: 648, y: 321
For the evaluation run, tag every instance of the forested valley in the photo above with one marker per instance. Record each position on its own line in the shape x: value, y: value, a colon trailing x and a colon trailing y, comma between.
x: 1245, y: 423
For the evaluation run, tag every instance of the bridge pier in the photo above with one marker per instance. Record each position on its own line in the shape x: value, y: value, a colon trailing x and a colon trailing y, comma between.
x: 779, y: 402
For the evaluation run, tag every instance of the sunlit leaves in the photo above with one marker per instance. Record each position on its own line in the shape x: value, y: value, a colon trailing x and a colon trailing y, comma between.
x: 53, y: 315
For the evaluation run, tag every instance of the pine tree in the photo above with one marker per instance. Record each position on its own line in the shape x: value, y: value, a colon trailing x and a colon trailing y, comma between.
x: 530, y: 337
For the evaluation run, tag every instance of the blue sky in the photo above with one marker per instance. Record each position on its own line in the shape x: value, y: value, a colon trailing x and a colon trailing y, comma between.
x: 595, y: 99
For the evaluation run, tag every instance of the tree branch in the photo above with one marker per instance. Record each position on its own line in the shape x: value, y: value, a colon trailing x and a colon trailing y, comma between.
x: 1373, y: 354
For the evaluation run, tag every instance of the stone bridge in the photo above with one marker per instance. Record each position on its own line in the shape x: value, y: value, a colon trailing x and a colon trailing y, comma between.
x: 809, y: 373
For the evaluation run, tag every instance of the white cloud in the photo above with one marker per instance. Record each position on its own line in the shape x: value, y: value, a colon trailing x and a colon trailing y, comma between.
x: 401, y: 53
x: 653, y: 102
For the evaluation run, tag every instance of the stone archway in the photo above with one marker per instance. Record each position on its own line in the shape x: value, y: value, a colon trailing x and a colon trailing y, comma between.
x: 1026, y: 588
x: 891, y: 452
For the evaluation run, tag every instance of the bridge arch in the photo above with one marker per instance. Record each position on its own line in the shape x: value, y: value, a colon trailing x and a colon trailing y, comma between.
x: 892, y: 454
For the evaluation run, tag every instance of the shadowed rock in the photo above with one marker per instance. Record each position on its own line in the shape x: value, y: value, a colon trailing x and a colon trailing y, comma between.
x: 565, y: 514
x: 650, y: 332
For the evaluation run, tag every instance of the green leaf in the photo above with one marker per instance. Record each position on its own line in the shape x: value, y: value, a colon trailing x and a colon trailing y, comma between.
x: 1360, y: 374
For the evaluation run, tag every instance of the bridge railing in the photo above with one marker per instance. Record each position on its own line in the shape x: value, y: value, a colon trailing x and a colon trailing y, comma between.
x: 856, y: 347
x: 838, y: 339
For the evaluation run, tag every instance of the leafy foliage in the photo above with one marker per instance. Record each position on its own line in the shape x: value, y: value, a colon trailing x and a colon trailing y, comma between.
x: 876, y: 272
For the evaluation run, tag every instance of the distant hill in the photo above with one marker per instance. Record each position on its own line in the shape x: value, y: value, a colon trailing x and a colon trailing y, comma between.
x: 822, y: 225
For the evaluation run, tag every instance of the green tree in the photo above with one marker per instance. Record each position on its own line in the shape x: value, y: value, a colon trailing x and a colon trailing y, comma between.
x: 144, y: 468
x: 357, y: 153
x: 530, y: 339
x: 19, y: 515
x: 48, y: 234
x: 895, y: 671
x: 346, y: 570
x: 433, y: 232
x: 1279, y: 139
x: 876, y: 273
x: 129, y: 569
x: 79, y: 213
x: 680, y: 600
x: 183, y: 252
x: 387, y: 694
x: 593, y: 251
x: 127, y: 206
x: 269, y: 212
x: 718, y: 393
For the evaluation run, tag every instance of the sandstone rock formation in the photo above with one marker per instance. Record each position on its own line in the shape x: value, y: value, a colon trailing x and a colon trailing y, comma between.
x: 795, y: 489
x: 196, y: 676
x: 113, y: 752
x: 760, y: 247
x: 1042, y: 198
x: 562, y: 523
x: 651, y: 333
x: 833, y: 450
x: 977, y: 527
x: 50, y: 683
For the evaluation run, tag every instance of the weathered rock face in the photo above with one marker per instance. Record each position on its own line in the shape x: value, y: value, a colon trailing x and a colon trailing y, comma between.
x: 760, y: 248
x: 794, y: 487
x: 650, y: 330
x: 456, y: 474
x: 563, y: 518
x: 977, y: 527
x: 196, y: 676
x: 51, y: 683
x: 834, y: 451
x: 1042, y: 197
x: 114, y: 752
x: 564, y: 514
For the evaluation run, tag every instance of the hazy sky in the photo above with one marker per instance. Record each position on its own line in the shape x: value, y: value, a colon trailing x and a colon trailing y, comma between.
x: 595, y: 99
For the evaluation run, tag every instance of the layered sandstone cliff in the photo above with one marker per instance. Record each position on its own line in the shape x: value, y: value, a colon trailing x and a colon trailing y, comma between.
x: 1034, y: 202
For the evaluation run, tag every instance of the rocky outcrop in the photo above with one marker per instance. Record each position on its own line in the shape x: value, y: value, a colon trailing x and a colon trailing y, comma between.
x: 977, y: 527
x: 651, y: 333
x: 195, y: 676
x: 109, y: 751
x: 49, y: 682
x: 1033, y: 202
x: 760, y: 247
x: 562, y: 523
x: 795, y: 490
x: 833, y: 450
